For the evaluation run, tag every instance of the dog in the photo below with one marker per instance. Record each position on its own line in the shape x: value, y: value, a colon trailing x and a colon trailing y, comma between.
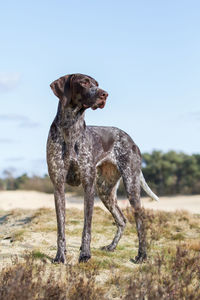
x: 92, y: 156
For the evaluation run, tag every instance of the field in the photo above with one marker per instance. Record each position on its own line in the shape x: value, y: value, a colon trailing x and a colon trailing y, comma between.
x: 28, y: 244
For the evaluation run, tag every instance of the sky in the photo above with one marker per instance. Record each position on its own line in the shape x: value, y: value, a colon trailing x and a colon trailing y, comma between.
x: 146, y: 54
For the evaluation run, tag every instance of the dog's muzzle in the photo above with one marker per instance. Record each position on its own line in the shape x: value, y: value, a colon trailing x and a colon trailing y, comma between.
x: 101, y: 101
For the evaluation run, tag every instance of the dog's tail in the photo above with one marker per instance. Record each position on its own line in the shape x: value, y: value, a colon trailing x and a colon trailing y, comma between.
x: 146, y: 188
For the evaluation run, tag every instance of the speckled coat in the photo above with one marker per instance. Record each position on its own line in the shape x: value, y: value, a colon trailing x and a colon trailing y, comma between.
x: 92, y: 155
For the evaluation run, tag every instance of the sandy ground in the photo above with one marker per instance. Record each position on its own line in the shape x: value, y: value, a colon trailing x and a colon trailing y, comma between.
x: 24, y: 228
x: 10, y: 200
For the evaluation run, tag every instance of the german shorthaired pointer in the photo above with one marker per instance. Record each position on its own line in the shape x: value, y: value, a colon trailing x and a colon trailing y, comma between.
x: 92, y: 155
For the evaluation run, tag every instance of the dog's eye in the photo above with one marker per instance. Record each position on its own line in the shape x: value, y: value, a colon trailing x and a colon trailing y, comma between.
x: 85, y: 83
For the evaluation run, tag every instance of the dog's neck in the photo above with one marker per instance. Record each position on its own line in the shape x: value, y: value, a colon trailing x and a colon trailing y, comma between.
x: 71, y: 122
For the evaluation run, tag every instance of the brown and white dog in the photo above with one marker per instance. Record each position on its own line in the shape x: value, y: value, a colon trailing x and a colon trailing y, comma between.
x: 92, y: 155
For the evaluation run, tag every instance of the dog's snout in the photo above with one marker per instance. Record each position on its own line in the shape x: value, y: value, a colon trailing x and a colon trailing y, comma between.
x: 103, y: 94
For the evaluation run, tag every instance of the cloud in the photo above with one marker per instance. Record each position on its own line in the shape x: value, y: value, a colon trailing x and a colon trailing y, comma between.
x: 12, y: 117
x: 29, y: 124
x: 190, y: 116
x: 22, y: 121
x: 6, y: 141
x: 195, y: 115
x: 14, y: 159
x: 9, y: 81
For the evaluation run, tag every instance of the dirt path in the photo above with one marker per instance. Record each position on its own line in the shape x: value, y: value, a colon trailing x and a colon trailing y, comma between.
x: 33, y: 200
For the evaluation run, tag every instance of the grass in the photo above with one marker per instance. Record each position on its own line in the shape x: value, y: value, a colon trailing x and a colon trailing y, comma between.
x: 172, y: 270
x: 39, y: 255
x: 193, y: 245
x: 18, y: 235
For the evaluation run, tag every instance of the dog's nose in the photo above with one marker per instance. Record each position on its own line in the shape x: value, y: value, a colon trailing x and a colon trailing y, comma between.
x: 103, y: 94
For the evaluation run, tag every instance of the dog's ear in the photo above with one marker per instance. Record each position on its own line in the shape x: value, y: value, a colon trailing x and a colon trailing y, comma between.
x: 62, y: 89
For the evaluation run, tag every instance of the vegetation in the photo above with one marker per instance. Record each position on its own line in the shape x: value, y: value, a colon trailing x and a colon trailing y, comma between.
x: 172, y: 173
x: 172, y: 270
x: 28, y: 280
x: 167, y: 173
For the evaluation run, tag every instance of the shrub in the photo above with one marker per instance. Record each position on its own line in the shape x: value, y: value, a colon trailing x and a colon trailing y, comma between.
x: 30, y: 280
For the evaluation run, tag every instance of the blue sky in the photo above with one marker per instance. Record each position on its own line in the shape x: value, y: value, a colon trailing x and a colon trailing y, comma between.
x: 146, y: 54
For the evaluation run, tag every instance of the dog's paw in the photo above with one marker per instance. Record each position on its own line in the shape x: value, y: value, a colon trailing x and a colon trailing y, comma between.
x: 60, y: 258
x: 84, y: 257
x: 109, y: 248
x: 140, y: 258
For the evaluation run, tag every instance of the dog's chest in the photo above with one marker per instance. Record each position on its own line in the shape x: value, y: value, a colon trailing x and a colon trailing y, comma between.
x: 73, y: 175
x: 77, y: 160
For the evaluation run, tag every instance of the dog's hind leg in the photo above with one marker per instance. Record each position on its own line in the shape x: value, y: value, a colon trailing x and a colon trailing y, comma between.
x: 132, y: 186
x: 106, y: 185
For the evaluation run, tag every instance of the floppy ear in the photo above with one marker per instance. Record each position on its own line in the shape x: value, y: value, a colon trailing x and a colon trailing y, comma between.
x: 62, y: 89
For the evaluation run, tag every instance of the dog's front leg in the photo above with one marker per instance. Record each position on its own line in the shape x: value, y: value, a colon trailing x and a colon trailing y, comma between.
x: 59, y: 194
x: 88, y: 211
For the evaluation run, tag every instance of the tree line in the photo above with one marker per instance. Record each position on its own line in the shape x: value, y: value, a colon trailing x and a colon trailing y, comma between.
x: 168, y: 173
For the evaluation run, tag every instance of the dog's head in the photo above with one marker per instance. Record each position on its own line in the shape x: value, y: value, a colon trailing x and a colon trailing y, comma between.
x: 79, y: 90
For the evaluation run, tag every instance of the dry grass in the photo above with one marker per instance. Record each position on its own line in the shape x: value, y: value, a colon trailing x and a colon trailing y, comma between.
x: 172, y: 270
x: 29, y: 280
x: 193, y: 245
x: 172, y: 275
